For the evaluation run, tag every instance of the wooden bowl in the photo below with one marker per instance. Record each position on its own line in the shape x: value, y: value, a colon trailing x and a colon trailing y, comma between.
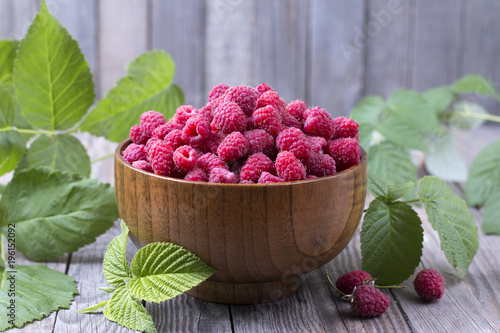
x: 259, y: 237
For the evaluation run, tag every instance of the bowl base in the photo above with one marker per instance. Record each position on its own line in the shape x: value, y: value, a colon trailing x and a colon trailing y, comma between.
x: 245, y: 293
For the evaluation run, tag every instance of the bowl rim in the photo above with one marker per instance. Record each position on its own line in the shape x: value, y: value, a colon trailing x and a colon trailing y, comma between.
x: 122, y: 145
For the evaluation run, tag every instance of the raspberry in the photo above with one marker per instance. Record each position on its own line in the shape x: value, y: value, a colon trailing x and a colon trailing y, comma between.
x: 138, y: 135
x: 255, y: 166
x: 174, y: 139
x: 221, y: 175
x: 196, y: 175
x: 271, y: 98
x: 296, y: 108
x: 142, y: 165
x: 161, y: 131
x: 289, y: 167
x: 184, y: 112
x: 174, y: 123
x: 233, y: 147
x: 267, y: 178
x: 185, y: 158
x: 345, y: 152
x: 228, y: 117
x: 348, y: 281
x: 249, y: 126
x: 429, y: 284
x: 317, y: 143
x: 151, y: 142
x: 161, y: 159
x: 293, y: 140
x: 150, y: 120
x: 259, y: 141
x: 262, y: 88
x: 244, y: 96
x: 268, y: 119
x: 196, y: 130
x: 217, y: 91
x: 311, y: 177
x: 288, y: 120
x: 135, y: 152
x: 206, y: 111
x: 345, y: 128
x: 213, y: 141
x: 207, y: 162
x: 369, y: 301
x: 319, y: 123
x: 320, y: 165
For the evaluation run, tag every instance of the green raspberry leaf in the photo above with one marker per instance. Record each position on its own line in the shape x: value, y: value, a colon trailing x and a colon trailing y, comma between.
x: 391, y: 241
x: 462, y: 116
x: 439, y: 98
x: 366, y: 113
x: 115, y: 265
x: 450, y: 217
x: 66, y: 211
x: 147, y: 86
x: 7, y: 108
x: 39, y: 292
x: 126, y: 310
x: 484, y: 175
x: 401, y: 132
x: 93, y: 308
x: 163, y: 271
x: 444, y: 159
x: 475, y: 84
x: 491, y: 214
x: 8, y: 50
x: 391, y: 163
x: 387, y: 191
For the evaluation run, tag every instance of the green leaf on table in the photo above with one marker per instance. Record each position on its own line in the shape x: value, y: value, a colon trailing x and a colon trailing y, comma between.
x: 450, y: 217
x: 59, y: 152
x: 484, y: 175
x: 491, y: 214
x: 391, y: 163
x: 475, y: 84
x: 147, y: 86
x: 439, y: 98
x: 163, y: 270
x: 391, y: 241
x: 401, y: 132
x: 93, y: 308
x: 52, y: 80
x: 126, y: 310
x: 39, y: 291
x: 8, y: 50
x: 115, y: 265
x: 387, y: 191
x: 444, y: 159
x: 464, y: 114
x: 56, y: 211
x: 366, y: 113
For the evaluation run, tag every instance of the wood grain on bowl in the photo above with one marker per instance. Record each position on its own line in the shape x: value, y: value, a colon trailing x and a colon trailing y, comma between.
x: 259, y: 237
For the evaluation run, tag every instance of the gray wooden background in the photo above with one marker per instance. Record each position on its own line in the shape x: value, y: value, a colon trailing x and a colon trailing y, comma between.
x: 327, y: 52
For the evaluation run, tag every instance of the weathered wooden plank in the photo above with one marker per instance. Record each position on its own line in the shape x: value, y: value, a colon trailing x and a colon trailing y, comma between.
x: 280, y: 58
x: 389, y: 46
x: 336, y: 61
x: 178, y: 27
x: 230, y: 40
x: 16, y: 17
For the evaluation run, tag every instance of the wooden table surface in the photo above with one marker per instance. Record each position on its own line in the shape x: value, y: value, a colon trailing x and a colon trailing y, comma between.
x: 469, y: 305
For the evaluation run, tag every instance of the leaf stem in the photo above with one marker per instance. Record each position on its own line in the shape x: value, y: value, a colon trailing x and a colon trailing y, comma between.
x: 481, y: 116
x: 410, y: 201
x: 102, y: 158
x: 27, y: 130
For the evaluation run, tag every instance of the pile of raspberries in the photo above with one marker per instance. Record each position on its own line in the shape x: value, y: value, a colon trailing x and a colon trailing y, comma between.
x: 244, y: 135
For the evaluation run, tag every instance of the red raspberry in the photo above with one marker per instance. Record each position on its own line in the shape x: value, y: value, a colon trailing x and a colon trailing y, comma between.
x: 217, y: 91
x: 345, y: 152
x: 296, y: 108
x: 345, y: 128
x: 293, y: 140
x: 429, y: 284
x: 174, y: 139
x: 319, y: 123
x: 206, y: 111
x: 369, y: 301
x: 249, y: 126
x: 161, y: 159
x: 268, y: 119
x: 288, y: 120
x: 212, y: 142
x: 289, y: 167
x: 267, y: 178
x: 161, y: 131
x: 243, y: 181
x: 262, y: 88
x: 150, y: 120
x: 348, y: 281
x: 207, y: 162
x: 221, y: 175
x: 184, y: 112
x: 320, y: 165
x: 151, y: 142
x: 185, y: 159
x: 317, y: 143
x: 311, y: 177
x: 255, y: 166
x: 142, y: 165
x: 196, y: 130
x: 270, y: 97
x: 259, y: 141
x: 196, y: 175
x: 135, y: 152
x: 233, y: 147
x: 174, y: 123
x: 244, y: 96
x: 138, y: 135
x: 228, y: 117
